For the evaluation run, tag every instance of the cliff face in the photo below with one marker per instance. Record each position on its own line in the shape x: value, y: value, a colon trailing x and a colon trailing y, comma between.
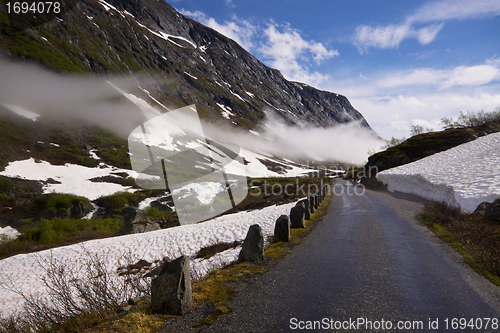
x: 183, y: 61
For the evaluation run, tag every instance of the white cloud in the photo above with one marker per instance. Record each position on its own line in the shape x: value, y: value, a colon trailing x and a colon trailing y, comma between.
x: 284, y: 49
x: 281, y: 46
x: 393, y: 102
x: 464, y: 76
x: 230, y: 4
x: 393, y: 115
x: 241, y: 31
x: 445, y: 10
x: 390, y: 36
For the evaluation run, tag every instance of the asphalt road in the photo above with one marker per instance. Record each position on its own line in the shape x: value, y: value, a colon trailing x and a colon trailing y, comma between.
x: 369, y: 260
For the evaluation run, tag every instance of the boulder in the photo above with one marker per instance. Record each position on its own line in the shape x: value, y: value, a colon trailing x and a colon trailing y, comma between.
x: 282, y: 229
x: 311, y: 204
x: 492, y: 211
x: 160, y: 206
x: 134, y: 222
x: 297, y: 214
x: 79, y: 210
x: 307, y: 212
x: 253, y: 246
x: 171, y: 290
x: 481, y: 208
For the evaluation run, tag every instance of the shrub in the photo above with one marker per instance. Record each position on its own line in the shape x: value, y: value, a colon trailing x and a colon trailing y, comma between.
x: 118, y: 200
x: 5, y: 184
x: 471, y: 119
x: 61, y: 201
x: 58, y: 230
x: 77, y: 298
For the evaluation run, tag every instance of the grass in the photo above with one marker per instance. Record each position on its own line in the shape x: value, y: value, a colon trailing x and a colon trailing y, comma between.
x: 475, y: 238
x: 56, y: 232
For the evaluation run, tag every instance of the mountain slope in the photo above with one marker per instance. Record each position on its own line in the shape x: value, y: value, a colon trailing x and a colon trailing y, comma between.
x: 182, y: 61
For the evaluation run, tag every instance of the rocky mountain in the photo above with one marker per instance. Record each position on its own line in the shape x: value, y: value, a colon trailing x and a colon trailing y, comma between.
x: 183, y: 61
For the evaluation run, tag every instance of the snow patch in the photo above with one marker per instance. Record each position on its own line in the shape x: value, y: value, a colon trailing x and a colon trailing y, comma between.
x: 74, y: 178
x: 194, y: 77
x: 22, y: 112
x: 226, y: 111
x: 8, y: 233
x: 463, y: 176
x: 25, y: 272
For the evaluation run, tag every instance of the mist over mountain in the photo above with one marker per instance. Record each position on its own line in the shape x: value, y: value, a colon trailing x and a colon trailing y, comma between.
x: 167, y: 60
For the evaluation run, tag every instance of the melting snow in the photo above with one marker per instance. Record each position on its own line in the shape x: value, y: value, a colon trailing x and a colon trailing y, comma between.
x: 9, y: 233
x: 22, y: 112
x: 463, y: 176
x: 24, y: 271
x: 194, y: 77
x: 226, y: 111
x: 74, y: 178
x: 255, y: 133
x: 168, y: 37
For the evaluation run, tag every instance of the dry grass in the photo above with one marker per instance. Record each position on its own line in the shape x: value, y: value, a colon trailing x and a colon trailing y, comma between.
x: 475, y: 238
x: 77, y: 300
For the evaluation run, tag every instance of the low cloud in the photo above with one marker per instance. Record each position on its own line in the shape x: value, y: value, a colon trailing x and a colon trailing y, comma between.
x: 55, y: 96
x: 109, y: 102
x: 348, y: 143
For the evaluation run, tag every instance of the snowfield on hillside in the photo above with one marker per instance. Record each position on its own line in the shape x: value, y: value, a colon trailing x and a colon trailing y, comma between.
x: 463, y: 176
x: 24, y: 272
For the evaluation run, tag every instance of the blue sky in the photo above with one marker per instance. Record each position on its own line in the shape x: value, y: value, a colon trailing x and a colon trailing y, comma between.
x: 400, y: 63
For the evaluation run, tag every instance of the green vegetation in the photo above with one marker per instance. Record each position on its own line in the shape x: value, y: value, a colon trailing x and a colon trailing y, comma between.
x: 425, y: 144
x: 118, y: 200
x: 113, y: 149
x: 61, y: 59
x: 5, y: 184
x: 56, y: 232
x: 475, y: 238
x: 471, y: 119
x: 60, y: 202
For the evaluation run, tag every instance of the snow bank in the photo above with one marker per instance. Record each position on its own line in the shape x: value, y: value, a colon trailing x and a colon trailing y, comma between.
x: 463, y: 176
x: 24, y: 271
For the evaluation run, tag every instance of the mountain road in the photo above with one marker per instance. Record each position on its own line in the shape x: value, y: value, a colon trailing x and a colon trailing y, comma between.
x: 368, y: 266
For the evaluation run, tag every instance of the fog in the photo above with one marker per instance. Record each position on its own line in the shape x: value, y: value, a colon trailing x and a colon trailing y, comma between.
x: 108, y: 102
x: 348, y: 144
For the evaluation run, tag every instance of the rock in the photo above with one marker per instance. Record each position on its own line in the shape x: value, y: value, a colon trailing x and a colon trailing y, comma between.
x: 79, y: 210
x: 311, y: 204
x: 297, y: 214
x: 253, y: 246
x: 492, y: 211
x: 481, y: 208
x: 307, y: 212
x: 160, y: 206
x: 282, y: 229
x: 171, y: 290
x: 134, y: 222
